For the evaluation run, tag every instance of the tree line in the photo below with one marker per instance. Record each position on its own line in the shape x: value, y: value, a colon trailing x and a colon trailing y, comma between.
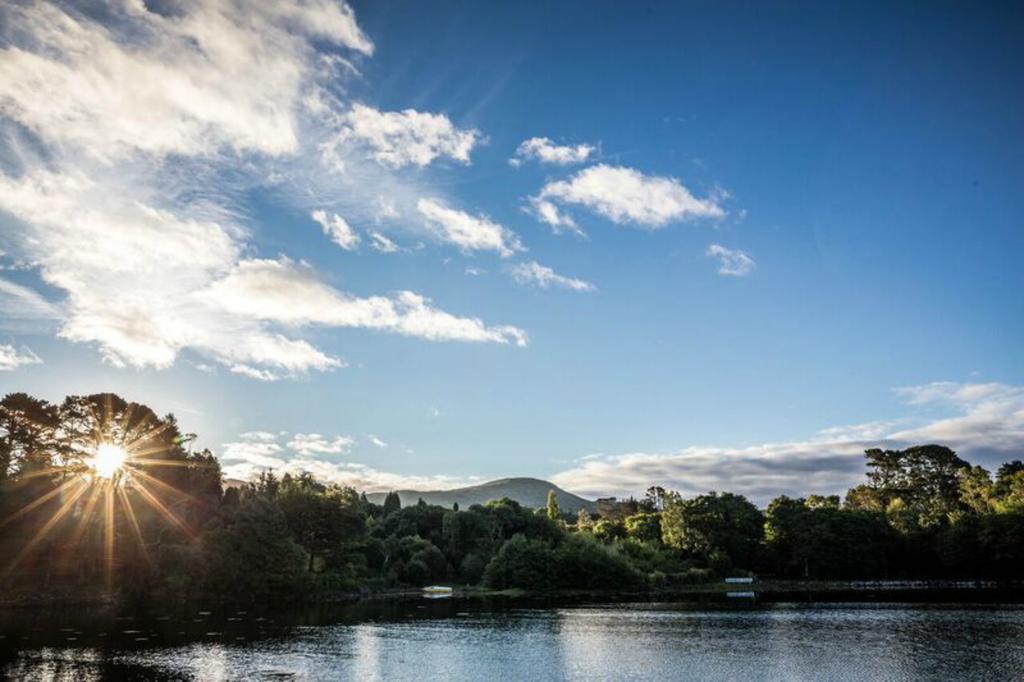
x: 164, y: 526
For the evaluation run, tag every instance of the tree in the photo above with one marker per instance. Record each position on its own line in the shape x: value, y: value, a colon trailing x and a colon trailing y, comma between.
x: 28, y: 439
x: 554, y: 513
x: 864, y: 497
x: 252, y: 556
x: 976, y: 489
x: 607, y: 530
x: 822, y: 502
x: 1007, y: 476
x: 644, y: 527
x: 809, y: 539
x: 321, y: 519
x: 925, y: 477
x: 392, y: 503
x: 655, y: 498
x: 724, y: 526
x: 521, y: 562
x: 1011, y: 489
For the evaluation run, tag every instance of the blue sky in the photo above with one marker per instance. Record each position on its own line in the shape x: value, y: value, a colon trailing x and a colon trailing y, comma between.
x: 795, y: 233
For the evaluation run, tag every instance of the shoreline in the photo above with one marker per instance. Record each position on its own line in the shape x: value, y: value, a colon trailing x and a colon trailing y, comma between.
x: 762, y: 590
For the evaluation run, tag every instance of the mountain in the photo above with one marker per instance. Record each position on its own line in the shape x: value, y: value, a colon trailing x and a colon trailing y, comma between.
x: 529, y: 492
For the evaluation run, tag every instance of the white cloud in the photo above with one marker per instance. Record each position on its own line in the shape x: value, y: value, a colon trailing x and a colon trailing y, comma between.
x: 549, y: 214
x: 284, y: 292
x: 376, y: 441
x: 131, y: 136
x: 544, y: 277
x: 335, y: 227
x: 987, y: 417
x: 468, y: 232
x: 254, y: 372
x: 22, y: 309
x: 731, y: 261
x: 385, y: 209
x: 12, y: 358
x: 379, y: 242
x: 247, y: 456
x: 407, y: 138
x: 213, y: 75
x: 986, y: 427
x: 317, y: 444
x: 260, y: 436
x: 627, y: 196
x: 545, y: 151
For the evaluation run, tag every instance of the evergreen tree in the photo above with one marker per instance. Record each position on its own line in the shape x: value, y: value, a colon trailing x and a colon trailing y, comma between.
x: 554, y: 513
x: 392, y: 503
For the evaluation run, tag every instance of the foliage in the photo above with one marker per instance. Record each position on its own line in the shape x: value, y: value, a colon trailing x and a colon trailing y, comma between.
x: 173, y: 531
x: 554, y: 513
x: 722, y: 527
x: 645, y: 527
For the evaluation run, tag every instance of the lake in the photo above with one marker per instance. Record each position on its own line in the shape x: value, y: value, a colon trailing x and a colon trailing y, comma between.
x: 474, y: 640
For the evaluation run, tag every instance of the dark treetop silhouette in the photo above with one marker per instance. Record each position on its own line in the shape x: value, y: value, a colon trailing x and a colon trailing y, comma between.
x: 102, y: 496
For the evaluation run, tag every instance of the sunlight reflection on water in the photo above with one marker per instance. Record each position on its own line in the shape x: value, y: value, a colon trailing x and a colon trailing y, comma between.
x: 613, y: 642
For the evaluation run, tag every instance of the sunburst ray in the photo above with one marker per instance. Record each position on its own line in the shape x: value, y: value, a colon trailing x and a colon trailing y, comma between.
x: 40, y: 500
x: 48, y: 526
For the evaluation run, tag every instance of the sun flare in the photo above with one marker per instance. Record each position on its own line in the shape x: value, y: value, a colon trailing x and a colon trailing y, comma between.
x: 108, y: 460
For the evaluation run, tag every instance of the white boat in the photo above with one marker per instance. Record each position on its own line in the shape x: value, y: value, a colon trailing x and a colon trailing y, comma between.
x: 437, y: 589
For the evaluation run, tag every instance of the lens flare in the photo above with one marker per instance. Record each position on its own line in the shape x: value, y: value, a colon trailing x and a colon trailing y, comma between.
x: 108, y: 460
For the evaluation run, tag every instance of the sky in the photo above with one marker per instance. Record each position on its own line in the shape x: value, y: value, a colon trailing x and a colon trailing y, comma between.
x: 408, y: 244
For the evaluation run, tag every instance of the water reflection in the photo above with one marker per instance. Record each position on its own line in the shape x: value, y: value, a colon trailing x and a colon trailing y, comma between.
x: 470, y: 641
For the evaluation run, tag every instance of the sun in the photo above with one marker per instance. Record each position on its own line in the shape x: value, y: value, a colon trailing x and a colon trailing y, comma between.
x: 108, y: 460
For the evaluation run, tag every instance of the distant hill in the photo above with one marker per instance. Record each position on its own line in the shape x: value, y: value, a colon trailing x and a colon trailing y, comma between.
x: 529, y: 492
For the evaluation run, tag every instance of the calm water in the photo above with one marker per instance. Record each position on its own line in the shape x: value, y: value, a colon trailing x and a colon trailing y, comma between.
x: 462, y: 640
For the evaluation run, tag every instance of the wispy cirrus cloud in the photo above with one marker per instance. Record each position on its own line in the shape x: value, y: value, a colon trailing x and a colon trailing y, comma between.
x: 533, y: 273
x: 468, y: 232
x: 382, y: 244
x: 731, y: 262
x: 628, y: 197
x: 190, y: 82
x: 133, y: 134
x: 25, y: 310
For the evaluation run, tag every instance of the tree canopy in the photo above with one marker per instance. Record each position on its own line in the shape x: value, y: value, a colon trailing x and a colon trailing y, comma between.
x: 156, y: 522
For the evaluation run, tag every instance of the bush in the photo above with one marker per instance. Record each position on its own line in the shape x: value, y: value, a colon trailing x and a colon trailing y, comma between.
x: 521, y: 562
x: 584, y: 563
x: 472, y: 569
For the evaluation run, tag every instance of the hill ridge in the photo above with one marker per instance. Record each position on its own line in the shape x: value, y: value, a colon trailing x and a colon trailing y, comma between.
x: 526, y: 490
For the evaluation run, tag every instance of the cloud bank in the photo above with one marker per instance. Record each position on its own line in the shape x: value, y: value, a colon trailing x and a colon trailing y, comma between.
x: 986, y: 427
x: 254, y: 452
